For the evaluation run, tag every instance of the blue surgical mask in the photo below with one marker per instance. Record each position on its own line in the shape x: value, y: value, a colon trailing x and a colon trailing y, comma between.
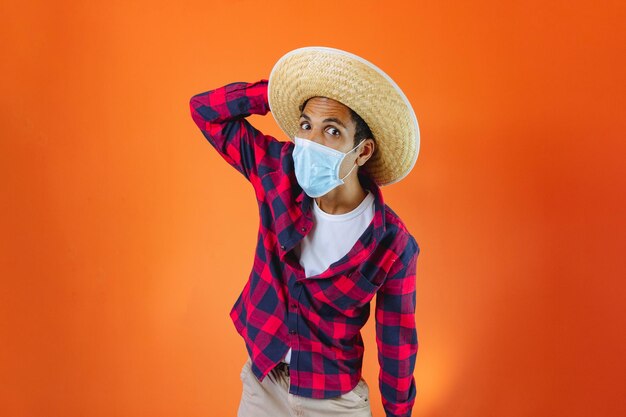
x: 317, y: 166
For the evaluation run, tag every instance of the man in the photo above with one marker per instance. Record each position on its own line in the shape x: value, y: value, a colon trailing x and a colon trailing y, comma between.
x: 327, y: 242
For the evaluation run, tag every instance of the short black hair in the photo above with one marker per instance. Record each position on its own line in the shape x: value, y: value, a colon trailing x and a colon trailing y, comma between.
x: 362, y: 130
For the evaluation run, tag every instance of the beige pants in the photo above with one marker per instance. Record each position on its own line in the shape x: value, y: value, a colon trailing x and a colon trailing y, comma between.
x: 271, y: 398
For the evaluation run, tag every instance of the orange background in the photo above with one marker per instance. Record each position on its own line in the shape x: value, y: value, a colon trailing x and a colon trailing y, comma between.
x: 126, y: 239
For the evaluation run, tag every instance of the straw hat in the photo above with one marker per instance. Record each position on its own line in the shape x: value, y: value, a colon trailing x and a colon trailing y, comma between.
x: 359, y: 84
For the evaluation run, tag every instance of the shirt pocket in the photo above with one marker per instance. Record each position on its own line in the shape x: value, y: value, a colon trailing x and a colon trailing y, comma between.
x: 345, y: 294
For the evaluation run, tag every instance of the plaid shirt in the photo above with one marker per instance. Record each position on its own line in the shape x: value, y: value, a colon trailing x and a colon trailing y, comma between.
x: 319, y: 317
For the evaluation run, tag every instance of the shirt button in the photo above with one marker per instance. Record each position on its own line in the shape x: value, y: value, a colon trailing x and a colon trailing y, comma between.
x: 282, y: 247
x: 292, y: 332
x: 303, y: 229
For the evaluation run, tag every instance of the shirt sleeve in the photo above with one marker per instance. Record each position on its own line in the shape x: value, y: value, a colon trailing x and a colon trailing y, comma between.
x: 220, y: 115
x: 396, y: 334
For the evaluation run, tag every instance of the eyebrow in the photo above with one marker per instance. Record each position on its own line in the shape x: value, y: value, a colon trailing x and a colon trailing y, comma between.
x: 329, y: 119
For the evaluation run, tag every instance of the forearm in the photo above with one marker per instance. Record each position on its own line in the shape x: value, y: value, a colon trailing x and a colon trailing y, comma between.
x: 234, y: 100
x: 220, y: 115
x: 396, y: 334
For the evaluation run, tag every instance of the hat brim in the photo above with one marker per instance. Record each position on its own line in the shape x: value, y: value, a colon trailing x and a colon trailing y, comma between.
x: 357, y: 83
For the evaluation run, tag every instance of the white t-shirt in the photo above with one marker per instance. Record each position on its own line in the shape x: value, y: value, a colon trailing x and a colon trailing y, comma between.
x: 331, y: 237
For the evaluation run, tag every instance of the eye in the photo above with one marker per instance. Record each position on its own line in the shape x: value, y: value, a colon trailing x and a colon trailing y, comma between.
x: 303, y: 125
x: 333, y: 131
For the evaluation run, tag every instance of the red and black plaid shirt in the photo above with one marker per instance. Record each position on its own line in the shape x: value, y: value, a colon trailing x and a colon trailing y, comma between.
x: 319, y: 317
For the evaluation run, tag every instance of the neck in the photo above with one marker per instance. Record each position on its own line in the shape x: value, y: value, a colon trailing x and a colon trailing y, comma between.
x: 344, y: 198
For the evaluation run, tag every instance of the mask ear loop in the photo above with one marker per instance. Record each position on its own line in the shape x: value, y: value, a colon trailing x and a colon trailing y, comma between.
x: 350, y: 172
x: 355, y: 164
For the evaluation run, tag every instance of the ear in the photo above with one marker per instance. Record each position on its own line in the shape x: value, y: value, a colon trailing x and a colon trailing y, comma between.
x: 368, y: 146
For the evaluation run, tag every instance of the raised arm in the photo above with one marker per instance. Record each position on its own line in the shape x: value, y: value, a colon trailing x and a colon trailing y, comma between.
x: 396, y: 334
x: 220, y: 115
